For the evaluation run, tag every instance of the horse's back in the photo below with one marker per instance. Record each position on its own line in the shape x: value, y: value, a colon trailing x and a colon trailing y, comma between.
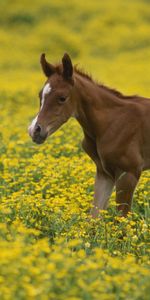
x: 145, y: 130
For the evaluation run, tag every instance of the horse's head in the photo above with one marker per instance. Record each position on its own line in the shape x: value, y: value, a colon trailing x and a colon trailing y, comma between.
x: 56, y: 100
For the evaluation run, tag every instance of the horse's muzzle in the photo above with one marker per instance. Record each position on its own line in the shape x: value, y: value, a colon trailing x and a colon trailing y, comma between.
x: 39, y: 139
x: 37, y: 134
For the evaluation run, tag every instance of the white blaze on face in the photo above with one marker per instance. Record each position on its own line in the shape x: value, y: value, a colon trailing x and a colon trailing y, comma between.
x: 31, y: 127
x: 46, y: 90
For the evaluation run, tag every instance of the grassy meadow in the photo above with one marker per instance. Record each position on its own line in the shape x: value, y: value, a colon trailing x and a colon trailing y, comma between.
x: 49, y: 248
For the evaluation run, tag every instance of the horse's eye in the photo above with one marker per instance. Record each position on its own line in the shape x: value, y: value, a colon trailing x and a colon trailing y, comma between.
x: 62, y: 99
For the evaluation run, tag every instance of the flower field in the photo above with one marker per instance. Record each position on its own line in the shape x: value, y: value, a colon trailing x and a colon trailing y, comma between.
x: 49, y: 246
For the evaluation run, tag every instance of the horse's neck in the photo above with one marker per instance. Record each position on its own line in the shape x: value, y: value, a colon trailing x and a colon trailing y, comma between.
x: 95, y: 106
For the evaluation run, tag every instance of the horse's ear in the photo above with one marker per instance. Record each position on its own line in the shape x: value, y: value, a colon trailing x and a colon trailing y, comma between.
x: 67, y: 67
x: 47, y: 68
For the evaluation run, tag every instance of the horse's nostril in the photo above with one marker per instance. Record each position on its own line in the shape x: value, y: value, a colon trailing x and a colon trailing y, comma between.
x: 38, y: 128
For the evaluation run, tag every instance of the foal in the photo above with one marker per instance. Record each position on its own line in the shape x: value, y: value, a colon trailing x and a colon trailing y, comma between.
x: 116, y: 128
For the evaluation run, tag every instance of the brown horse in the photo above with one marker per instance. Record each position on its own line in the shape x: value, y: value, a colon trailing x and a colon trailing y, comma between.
x: 116, y: 128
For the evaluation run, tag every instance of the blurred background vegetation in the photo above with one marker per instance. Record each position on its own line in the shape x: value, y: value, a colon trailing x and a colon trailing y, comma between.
x: 110, y: 39
x: 47, y: 191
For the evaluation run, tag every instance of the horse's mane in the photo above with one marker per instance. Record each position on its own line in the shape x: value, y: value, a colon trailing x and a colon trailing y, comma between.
x: 111, y: 90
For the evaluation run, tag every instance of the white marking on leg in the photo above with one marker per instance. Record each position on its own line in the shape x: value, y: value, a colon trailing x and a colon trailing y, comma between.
x: 103, y: 189
x: 32, y: 126
x: 46, y: 90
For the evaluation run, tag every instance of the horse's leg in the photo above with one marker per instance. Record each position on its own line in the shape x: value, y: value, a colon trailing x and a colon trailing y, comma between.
x: 103, y: 189
x: 125, y: 186
x: 103, y: 183
x: 89, y: 147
